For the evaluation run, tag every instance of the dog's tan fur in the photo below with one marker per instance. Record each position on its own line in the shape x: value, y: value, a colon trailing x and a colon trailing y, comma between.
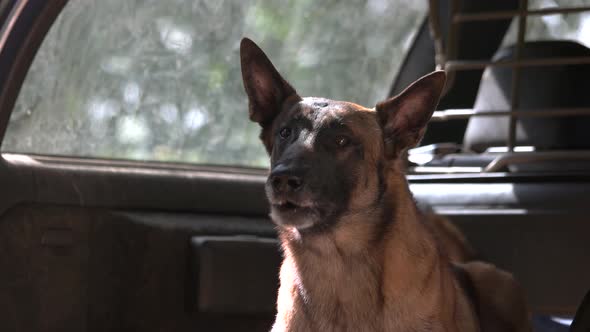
x: 343, y: 282
x: 365, y: 275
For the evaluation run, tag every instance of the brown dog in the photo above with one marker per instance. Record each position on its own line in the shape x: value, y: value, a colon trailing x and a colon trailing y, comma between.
x: 358, y: 255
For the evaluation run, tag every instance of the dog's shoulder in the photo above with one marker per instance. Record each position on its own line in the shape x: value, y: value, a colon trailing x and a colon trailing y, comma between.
x: 498, y: 298
x: 451, y: 239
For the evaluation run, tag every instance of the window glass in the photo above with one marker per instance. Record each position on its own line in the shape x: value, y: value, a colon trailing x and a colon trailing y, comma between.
x: 160, y: 80
x: 571, y: 26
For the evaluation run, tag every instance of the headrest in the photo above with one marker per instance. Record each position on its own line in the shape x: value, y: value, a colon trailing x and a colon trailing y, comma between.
x: 541, y: 87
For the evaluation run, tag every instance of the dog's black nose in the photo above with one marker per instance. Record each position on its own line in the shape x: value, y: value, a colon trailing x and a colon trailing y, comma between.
x: 284, y: 178
x: 286, y: 182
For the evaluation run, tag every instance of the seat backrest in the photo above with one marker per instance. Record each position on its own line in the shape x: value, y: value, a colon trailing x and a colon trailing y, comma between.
x: 540, y: 87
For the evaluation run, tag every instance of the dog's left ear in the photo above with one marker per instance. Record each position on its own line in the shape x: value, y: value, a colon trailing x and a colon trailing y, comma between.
x: 404, y: 117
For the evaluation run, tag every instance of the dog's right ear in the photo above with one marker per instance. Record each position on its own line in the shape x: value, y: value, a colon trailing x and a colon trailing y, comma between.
x: 267, y: 91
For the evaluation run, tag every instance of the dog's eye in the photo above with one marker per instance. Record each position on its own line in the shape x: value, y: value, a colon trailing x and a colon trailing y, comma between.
x: 285, y: 132
x: 342, y: 141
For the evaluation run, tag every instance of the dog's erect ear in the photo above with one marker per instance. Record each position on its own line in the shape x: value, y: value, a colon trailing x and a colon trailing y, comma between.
x: 267, y: 91
x: 404, y: 117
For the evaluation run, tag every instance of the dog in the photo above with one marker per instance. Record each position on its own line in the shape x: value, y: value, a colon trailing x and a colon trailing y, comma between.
x: 358, y: 254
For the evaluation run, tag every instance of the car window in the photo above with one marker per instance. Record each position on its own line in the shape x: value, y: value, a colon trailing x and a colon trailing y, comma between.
x: 160, y: 80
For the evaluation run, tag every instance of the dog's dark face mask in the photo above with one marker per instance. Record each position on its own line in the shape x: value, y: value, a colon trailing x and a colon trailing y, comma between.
x: 319, y: 161
x: 328, y: 157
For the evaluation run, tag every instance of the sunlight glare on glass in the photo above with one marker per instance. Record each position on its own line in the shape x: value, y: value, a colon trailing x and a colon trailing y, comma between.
x: 102, y: 109
x: 132, y: 130
x: 132, y: 93
x: 169, y: 113
x: 174, y: 37
x: 194, y: 119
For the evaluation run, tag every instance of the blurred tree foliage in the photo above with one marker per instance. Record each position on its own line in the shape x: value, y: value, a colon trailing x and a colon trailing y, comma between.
x: 160, y: 80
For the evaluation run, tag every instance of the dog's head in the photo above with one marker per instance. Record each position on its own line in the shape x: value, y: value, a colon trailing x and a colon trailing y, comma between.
x: 327, y: 157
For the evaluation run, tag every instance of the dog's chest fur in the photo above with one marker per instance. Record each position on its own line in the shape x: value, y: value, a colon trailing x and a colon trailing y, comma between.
x: 343, y: 295
x: 394, y: 284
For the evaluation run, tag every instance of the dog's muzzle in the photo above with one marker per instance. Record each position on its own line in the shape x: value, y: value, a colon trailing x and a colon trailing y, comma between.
x: 290, y: 204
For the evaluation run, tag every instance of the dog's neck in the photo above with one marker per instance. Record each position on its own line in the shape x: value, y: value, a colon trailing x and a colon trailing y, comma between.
x: 342, y: 276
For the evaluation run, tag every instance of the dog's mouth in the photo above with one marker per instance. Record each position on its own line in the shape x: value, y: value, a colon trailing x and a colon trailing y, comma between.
x: 299, y: 214
x: 290, y: 206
